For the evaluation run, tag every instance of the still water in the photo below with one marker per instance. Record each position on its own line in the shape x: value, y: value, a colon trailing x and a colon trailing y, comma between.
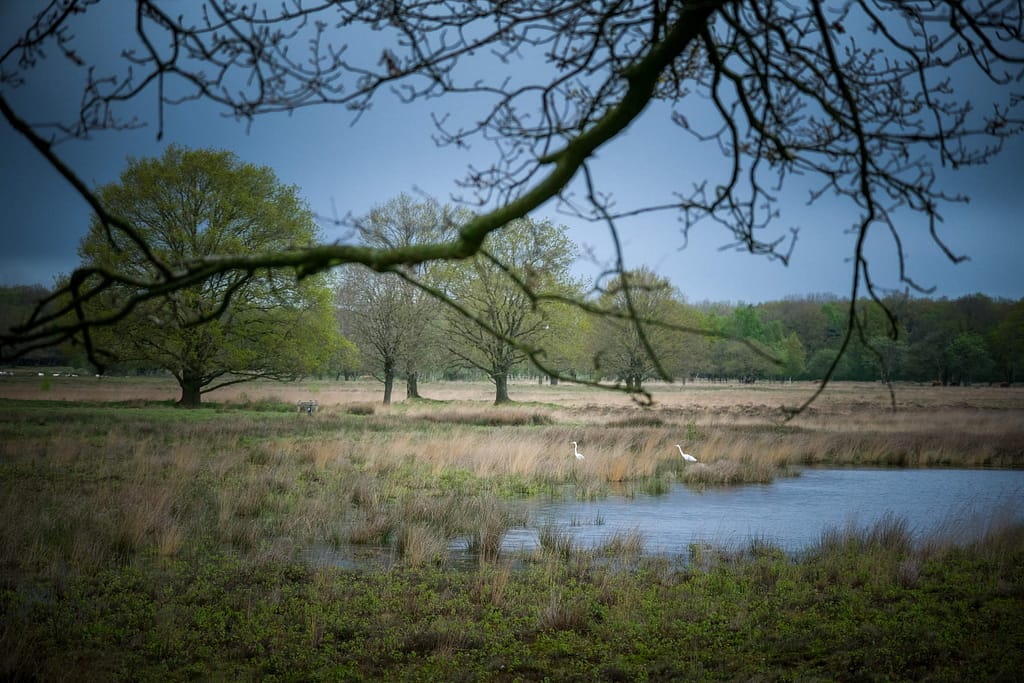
x: 790, y: 512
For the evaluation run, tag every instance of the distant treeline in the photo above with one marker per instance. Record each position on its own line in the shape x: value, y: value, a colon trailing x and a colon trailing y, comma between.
x: 971, y: 339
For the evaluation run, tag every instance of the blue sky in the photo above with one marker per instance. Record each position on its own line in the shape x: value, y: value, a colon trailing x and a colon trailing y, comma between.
x: 343, y: 168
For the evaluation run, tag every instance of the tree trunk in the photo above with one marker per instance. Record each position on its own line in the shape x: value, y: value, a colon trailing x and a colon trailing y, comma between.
x: 500, y: 388
x: 412, y: 389
x: 633, y: 382
x: 389, y: 381
x: 191, y: 390
x: 553, y: 379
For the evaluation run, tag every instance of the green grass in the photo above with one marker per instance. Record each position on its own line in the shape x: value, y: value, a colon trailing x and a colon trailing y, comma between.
x: 145, y: 542
x: 843, y: 612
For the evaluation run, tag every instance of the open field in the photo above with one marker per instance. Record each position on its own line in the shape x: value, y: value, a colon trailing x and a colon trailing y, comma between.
x: 696, y: 397
x: 141, y: 541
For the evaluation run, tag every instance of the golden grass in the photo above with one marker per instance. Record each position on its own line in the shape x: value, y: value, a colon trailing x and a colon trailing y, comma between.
x: 419, y: 543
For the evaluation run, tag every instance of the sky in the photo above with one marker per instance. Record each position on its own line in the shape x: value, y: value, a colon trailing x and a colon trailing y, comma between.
x: 344, y: 168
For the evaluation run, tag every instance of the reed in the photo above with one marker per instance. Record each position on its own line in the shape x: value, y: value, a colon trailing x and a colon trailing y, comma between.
x: 492, y: 523
x: 419, y: 544
x: 554, y: 543
x: 491, y: 583
x: 623, y: 545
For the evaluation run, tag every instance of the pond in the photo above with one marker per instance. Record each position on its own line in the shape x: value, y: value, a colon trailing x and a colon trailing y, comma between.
x: 790, y: 512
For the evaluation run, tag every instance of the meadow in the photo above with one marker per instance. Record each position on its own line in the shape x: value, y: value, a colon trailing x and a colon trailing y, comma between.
x: 141, y: 541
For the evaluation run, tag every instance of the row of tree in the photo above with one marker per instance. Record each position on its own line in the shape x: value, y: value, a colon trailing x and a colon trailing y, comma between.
x: 515, y: 306
x: 496, y: 329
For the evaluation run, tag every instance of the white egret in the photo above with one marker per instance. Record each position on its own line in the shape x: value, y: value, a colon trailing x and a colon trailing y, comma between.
x: 579, y: 456
x: 686, y: 456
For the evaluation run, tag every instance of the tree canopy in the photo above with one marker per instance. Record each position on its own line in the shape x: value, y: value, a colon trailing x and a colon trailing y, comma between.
x: 634, y: 352
x: 237, y: 326
x: 855, y: 98
x: 495, y: 325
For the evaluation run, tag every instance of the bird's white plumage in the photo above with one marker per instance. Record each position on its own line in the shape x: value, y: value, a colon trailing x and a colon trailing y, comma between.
x: 686, y: 456
x: 579, y: 456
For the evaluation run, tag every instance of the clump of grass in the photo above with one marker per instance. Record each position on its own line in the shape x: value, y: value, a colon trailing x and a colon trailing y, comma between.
x: 656, y: 485
x: 263, y: 404
x: 563, y: 613
x: 638, y: 420
x: 495, y: 417
x: 589, y: 486
x: 720, y: 473
x: 491, y: 583
x: 624, y: 545
x: 890, y: 534
x: 692, y: 433
x: 375, y: 523
x: 492, y: 524
x: 881, y: 554
x: 419, y: 544
x: 374, y: 529
x: 554, y: 542
x: 361, y: 409
x: 442, y: 639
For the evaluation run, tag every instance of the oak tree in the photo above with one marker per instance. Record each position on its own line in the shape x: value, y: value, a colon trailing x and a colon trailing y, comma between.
x: 632, y: 352
x: 236, y: 326
x: 390, y: 316
x: 494, y: 324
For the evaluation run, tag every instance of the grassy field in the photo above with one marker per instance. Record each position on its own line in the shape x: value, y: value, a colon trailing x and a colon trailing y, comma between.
x: 140, y: 541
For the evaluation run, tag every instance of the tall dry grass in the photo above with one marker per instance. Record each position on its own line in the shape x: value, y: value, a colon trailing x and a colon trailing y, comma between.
x: 84, y: 487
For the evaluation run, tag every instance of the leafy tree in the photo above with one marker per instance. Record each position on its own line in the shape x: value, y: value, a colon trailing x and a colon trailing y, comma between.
x: 17, y: 303
x: 629, y: 349
x: 969, y: 358
x: 237, y: 326
x: 746, y: 323
x: 392, y: 318
x: 803, y: 316
x: 692, y: 354
x: 507, y: 299
x: 820, y: 362
x: 346, y: 360
x: 749, y: 347
x: 565, y: 351
x: 794, y: 356
x: 889, y: 356
x: 1008, y: 343
x: 780, y: 89
x: 742, y: 358
x: 370, y: 311
x: 933, y: 329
